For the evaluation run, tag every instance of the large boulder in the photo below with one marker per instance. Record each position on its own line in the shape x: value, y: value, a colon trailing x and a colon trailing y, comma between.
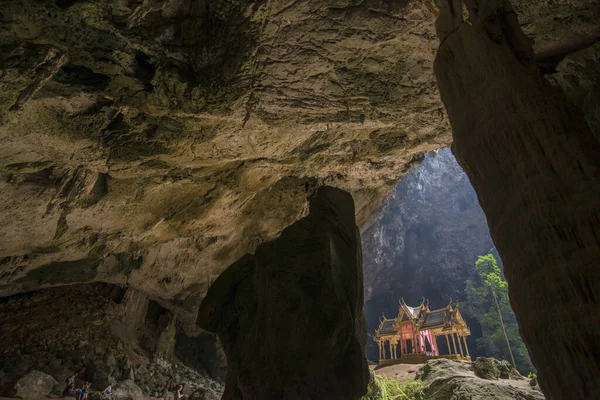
x: 446, y: 379
x: 490, y: 368
x: 127, y: 390
x: 507, y: 370
x: 290, y: 317
x: 486, y: 368
x: 99, y: 373
x: 35, y: 384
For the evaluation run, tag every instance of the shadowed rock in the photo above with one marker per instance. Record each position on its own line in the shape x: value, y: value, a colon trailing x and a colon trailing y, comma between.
x: 534, y: 164
x: 290, y: 317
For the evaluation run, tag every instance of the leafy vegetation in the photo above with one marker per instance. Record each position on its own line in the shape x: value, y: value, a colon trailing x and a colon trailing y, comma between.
x: 384, y: 388
x: 487, y: 302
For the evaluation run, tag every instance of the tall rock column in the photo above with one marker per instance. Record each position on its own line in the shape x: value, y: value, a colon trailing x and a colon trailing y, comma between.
x: 290, y: 317
x: 536, y: 169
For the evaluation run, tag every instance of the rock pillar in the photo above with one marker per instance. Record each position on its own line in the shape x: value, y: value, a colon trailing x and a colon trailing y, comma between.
x: 165, y: 346
x: 536, y: 169
x: 290, y: 317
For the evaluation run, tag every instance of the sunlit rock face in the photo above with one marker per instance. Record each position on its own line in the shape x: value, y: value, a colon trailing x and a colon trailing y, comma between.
x: 423, y: 241
x: 153, y: 143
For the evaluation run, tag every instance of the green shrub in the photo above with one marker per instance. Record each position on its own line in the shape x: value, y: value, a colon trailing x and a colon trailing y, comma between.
x: 384, y: 388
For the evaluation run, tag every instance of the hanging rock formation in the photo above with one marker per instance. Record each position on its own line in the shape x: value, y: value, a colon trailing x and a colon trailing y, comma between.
x: 290, y: 317
x: 536, y: 169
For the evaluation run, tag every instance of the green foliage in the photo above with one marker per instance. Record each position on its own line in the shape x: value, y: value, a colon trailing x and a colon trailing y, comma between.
x: 532, y: 375
x: 480, y: 292
x: 384, y: 388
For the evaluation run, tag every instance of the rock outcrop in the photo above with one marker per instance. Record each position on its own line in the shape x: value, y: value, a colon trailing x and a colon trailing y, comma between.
x: 99, y: 332
x: 290, y: 317
x: 534, y: 164
x: 447, y: 379
x: 491, y: 368
x: 127, y: 390
x: 34, y: 385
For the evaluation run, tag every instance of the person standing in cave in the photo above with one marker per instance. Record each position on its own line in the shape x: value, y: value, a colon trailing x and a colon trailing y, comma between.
x: 108, y: 393
x: 70, y: 381
x: 85, y: 390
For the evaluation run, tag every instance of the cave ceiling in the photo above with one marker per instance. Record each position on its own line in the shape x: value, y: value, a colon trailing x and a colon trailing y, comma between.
x: 153, y: 143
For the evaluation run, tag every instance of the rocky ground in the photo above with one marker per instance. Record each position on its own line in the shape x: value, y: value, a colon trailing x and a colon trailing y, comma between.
x: 484, y: 379
x: 47, y: 336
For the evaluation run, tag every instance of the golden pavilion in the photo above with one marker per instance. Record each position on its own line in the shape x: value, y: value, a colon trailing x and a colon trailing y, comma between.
x: 412, y: 337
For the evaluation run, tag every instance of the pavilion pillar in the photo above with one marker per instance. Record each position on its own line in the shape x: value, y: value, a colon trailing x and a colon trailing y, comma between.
x: 454, y: 341
x: 380, y: 352
x: 393, y: 350
x: 414, y: 343
x: 466, y: 347
x: 462, y: 353
x: 448, y: 343
x: 385, y: 357
x: 435, y: 346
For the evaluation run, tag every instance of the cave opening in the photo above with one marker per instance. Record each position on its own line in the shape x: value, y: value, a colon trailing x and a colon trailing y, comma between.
x: 423, y: 243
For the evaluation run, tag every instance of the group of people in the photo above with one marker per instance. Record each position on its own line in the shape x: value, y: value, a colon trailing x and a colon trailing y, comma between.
x: 82, y: 393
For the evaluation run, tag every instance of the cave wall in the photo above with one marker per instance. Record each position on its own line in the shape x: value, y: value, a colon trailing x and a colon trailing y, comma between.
x: 534, y: 164
x: 290, y: 317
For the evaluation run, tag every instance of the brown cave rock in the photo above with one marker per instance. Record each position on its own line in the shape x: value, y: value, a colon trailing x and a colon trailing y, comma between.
x: 535, y: 166
x: 290, y: 317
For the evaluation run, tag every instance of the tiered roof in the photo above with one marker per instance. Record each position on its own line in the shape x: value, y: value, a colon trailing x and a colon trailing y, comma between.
x: 421, y: 317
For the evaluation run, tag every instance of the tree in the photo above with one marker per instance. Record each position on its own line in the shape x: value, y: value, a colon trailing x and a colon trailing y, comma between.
x: 487, y: 301
x: 489, y: 271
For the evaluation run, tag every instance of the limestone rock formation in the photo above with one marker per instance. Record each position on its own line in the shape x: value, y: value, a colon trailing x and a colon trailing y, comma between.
x: 447, y: 379
x: 578, y: 74
x: 290, y: 317
x: 34, y: 385
x: 534, y: 164
x: 127, y: 390
x: 153, y: 143
x: 99, y: 332
x: 490, y: 368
